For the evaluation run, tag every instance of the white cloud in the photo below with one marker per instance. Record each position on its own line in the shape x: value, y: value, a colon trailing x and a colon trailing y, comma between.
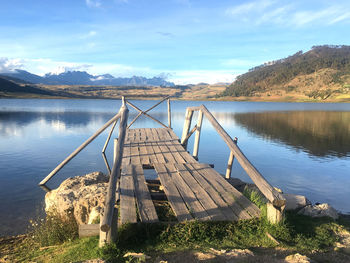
x: 207, y: 76
x: 8, y: 65
x: 93, y: 3
x: 257, y: 6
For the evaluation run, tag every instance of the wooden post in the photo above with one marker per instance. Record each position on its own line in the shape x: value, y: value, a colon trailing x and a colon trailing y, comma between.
x: 274, y: 214
x: 107, y: 220
x: 111, y: 235
x: 169, y: 114
x: 187, y: 124
x: 230, y: 162
x: 198, y: 135
x: 115, y: 149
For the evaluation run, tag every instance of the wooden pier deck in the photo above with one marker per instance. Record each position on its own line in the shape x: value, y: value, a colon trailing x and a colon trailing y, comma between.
x: 194, y: 190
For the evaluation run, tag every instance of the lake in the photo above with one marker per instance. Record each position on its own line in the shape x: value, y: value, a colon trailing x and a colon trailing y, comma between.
x: 302, y: 148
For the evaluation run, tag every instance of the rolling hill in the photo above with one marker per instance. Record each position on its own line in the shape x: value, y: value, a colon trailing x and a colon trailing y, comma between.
x: 322, y: 73
x: 8, y: 87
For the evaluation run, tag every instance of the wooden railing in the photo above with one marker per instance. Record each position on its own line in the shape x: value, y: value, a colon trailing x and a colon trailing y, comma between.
x: 84, y: 144
x: 141, y: 112
x: 276, y: 198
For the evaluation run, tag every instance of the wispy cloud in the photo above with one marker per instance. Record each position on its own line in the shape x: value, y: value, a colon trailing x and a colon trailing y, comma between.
x: 197, y: 76
x: 291, y: 14
x: 165, y: 34
x: 93, y: 3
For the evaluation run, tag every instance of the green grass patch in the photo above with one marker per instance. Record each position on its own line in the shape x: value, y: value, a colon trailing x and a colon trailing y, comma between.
x: 296, y: 232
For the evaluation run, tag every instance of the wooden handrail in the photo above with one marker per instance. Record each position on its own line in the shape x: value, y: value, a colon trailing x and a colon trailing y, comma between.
x: 81, y: 147
x: 268, y: 191
x: 107, y: 219
x: 149, y: 116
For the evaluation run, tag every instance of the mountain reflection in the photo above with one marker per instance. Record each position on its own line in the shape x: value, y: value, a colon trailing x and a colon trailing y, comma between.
x: 318, y: 133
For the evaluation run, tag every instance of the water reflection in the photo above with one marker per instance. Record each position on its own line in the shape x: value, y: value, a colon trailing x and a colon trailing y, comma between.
x: 321, y: 134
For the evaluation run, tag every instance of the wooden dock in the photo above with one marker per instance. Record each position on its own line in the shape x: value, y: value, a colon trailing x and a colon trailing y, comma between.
x: 194, y: 190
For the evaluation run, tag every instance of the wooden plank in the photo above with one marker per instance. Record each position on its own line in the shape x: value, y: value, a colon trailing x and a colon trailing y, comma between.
x: 180, y: 149
x: 215, y: 196
x: 145, y: 205
x: 268, y: 191
x: 127, y: 197
x: 243, y: 201
x: 89, y: 230
x: 169, y: 158
x: 169, y: 142
x: 229, y: 199
x: 203, y: 197
x: 173, y: 195
x: 187, y: 194
x: 155, y: 147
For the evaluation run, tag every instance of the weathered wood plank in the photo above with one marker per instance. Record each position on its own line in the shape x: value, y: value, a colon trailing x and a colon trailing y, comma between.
x: 169, y: 158
x: 155, y: 147
x: 173, y: 195
x: 203, y: 197
x: 127, y: 196
x: 145, y: 205
x: 229, y: 199
x: 169, y: 142
x: 187, y: 194
x: 180, y: 149
x: 89, y: 230
x: 215, y: 196
x: 244, y: 202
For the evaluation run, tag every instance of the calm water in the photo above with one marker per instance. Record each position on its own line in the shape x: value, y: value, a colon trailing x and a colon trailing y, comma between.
x: 302, y: 148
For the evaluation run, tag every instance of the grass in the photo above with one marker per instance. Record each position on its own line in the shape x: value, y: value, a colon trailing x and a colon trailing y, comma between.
x: 55, y: 239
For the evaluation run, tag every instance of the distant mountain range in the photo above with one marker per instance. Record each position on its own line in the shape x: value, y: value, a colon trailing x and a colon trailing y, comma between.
x: 84, y: 78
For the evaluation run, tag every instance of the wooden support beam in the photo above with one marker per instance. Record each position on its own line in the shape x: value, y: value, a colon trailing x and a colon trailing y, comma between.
x: 81, y: 147
x: 107, y: 220
x: 187, y: 125
x: 230, y: 162
x: 198, y: 134
x: 106, y: 163
x: 190, y: 134
x: 109, y: 137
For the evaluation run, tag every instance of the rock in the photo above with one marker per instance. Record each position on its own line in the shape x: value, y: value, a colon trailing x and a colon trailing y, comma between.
x: 319, y: 210
x: 294, y: 202
x: 81, y: 197
x: 297, y: 258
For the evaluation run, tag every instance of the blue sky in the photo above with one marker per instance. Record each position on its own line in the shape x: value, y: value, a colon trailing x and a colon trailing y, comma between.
x: 188, y: 41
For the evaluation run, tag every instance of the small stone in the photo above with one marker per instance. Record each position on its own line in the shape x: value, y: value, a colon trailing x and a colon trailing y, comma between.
x: 297, y: 258
x: 319, y: 210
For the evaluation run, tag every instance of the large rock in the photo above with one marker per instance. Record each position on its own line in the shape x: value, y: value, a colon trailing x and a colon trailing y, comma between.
x: 319, y: 210
x: 82, y: 197
x: 294, y: 202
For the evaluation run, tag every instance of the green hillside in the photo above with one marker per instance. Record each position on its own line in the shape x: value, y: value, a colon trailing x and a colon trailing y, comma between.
x: 320, y: 73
